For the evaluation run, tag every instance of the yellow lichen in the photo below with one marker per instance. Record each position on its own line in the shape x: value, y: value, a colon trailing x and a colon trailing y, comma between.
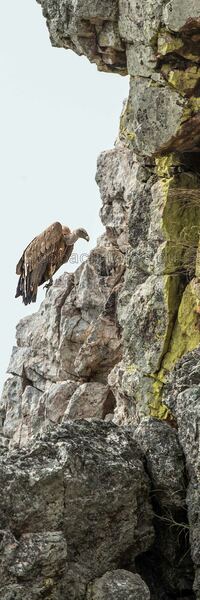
x: 157, y: 408
x: 181, y: 226
x: 172, y: 297
x: 178, y: 213
x: 157, y: 389
x: 184, y: 81
x: 167, y: 43
x: 164, y: 164
x: 131, y: 368
x: 186, y: 334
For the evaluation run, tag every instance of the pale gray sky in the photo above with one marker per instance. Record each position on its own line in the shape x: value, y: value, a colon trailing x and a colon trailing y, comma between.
x: 57, y: 113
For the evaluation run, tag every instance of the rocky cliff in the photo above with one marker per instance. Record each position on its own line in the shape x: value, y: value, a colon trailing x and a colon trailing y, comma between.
x: 100, y: 415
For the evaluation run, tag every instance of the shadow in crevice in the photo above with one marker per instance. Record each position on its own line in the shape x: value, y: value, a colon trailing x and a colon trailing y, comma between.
x: 167, y: 567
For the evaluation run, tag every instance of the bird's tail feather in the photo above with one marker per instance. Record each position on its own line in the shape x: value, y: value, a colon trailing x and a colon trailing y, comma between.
x: 28, y: 283
x: 19, y: 287
x: 26, y: 290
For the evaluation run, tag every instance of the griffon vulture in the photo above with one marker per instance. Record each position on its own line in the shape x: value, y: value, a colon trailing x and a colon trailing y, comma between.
x: 43, y: 257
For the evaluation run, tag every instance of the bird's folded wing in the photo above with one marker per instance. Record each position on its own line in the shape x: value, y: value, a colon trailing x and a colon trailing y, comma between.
x: 41, y: 247
x: 68, y: 252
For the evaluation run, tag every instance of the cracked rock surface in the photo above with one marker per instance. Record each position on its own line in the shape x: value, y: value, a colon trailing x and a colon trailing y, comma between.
x: 118, y: 340
x: 61, y: 524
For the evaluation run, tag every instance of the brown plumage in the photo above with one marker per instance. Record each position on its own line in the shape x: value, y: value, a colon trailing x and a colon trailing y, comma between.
x: 43, y: 257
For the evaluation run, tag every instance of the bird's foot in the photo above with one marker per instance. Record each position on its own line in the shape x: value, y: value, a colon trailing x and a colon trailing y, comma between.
x: 49, y: 284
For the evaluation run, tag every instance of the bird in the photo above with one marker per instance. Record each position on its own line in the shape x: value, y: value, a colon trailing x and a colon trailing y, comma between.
x: 43, y: 257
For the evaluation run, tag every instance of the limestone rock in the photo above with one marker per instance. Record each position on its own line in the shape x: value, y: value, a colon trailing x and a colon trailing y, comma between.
x: 182, y: 394
x: 138, y: 24
x: 90, y: 400
x: 119, y: 585
x: 66, y: 350
x: 149, y: 321
x: 165, y: 461
x: 175, y: 19
x: 89, y: 28
x: 120, y: 37
x: 117, y: 340
x: 155, y: 114
x: 165, y: 465
x: 60, y: 516
x: 115, y: 191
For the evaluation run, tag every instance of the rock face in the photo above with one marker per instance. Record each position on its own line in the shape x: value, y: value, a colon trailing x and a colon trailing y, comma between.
x: 67, y: 526
x: 119, y: 585
x: 65, y: 352
x: 117, y: 340
x: 182, y: 395
x: 89, y: 28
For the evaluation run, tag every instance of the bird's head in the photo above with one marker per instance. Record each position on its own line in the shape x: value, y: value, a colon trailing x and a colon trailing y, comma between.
x: 82, y: 233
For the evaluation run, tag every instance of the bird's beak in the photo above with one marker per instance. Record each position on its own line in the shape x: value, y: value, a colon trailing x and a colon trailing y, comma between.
x: 87, y: 238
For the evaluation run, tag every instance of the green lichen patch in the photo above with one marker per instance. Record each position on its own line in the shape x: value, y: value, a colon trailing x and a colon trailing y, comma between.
x: 181, y: 227
x: 183, y: 80
x: 164, y: 164
x: 176, y: 44
x: 168, y: 43
x: 156, y: 407
x: 186, y: 333
x: 146, y: 391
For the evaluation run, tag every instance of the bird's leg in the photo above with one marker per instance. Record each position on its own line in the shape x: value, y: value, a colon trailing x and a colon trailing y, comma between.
x: 49, y: 284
